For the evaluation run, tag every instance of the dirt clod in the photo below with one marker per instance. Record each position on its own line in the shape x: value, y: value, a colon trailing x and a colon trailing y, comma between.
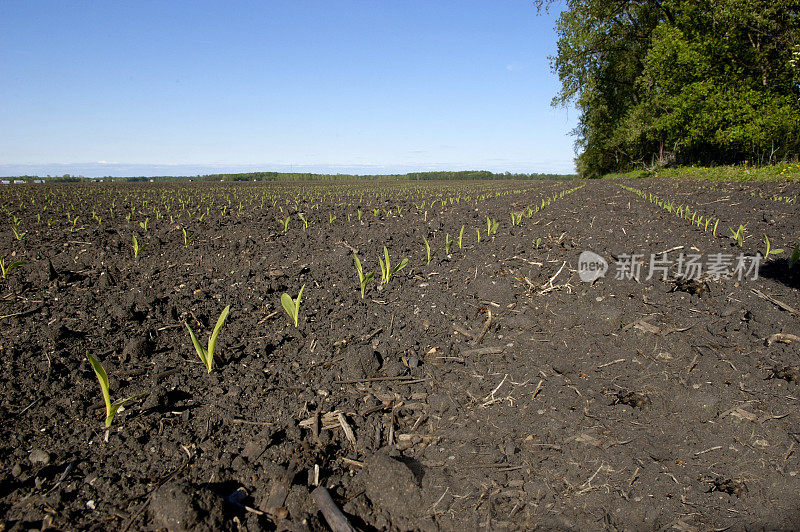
x: 180, y: 507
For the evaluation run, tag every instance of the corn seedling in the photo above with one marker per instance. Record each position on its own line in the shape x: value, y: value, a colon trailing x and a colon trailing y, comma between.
x: 331, y: 218
x: 363, y: 279
x: 187, y: 240
x: 479, y: 235
x: 769, y: 251
x: 102, y: 377
x: 460, y: 239
x: 143, y: 224
x: 491, y: 226
x: 15, y: 227
x: 387, y: 271
x: 285, y: 223
x: 207, y: 354
x: 537, y: 243
x: 305, y: 222
x: 516, y: 219
x: 448, y: 244
x: 360, y: 214
x: 292, y: 306
x: 137, y: 249
x: 5, y: 268
x: 738, y: 235
x: 428, y: 251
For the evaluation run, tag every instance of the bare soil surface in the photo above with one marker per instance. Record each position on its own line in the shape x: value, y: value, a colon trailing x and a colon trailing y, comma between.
x: 490, y: 388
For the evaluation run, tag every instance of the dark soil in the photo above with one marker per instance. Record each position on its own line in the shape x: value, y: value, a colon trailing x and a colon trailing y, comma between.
x: 481, y: 390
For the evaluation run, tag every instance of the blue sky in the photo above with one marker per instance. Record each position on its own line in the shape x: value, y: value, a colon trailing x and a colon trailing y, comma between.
x: 380, y: 86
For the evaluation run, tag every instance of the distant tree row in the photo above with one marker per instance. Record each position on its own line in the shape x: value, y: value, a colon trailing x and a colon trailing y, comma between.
x: 414, y: 176
x: 662, y: 82
x: 299, y: 176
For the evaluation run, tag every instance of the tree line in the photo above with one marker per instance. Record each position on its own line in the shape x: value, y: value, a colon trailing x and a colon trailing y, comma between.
x: 301, y: 176
x: 680, y: 82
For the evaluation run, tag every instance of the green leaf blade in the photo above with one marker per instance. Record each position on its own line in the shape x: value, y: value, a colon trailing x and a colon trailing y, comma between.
x: 201, y: 351
x: 102, y: 377
x: 212, y: 342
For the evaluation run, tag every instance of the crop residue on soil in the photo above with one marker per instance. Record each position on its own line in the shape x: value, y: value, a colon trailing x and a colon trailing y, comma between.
x: 487, y: 388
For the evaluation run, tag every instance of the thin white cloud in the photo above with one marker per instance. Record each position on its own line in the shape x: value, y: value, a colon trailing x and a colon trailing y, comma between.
x: 516, y: 67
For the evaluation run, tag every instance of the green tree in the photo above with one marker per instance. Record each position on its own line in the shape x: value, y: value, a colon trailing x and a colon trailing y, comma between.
x: 658, y: 82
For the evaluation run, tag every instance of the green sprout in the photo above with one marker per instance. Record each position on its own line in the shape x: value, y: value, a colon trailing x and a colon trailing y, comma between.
x: 429, y: 253
x: 15, y: 227
x: 363, y: 279
x: 738, y: 235
x: 448, y: 244
x: 479, y: 235
x: 537, y: 243
x: 491, y: 227
x: 137, y: 249
x: 143, y: 225
x: 292, y: 306
x: 331, y: 218
x: 769, y: 250
x: 460, y: 237
x: 386, y: 267
x: 5, y: 268
x: 207, y: 355
x: 284, y: 223
x: 305, y: 222
x: 102, y: 377
x: 187, y: 240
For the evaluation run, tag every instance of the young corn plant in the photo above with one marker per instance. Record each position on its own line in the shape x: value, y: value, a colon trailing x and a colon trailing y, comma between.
x: 537, y: 243
x: 363, y: 279
x: 285, y: 223
x: 187, y: 240
x: 137, y: 248
x: 769, y: 251
x: 738, y: 235
x: 429, y: 253
x: 207, y: 354
x: 102, y: 377
x: 305, y: 222
x: 448, y: 244
x: 387, y: 271
x: 491, y: 226
x: 6, y: 267
x: 144, y: 224
x: 15, y: 227
x: 292, y: 306
x: 460, y: 237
